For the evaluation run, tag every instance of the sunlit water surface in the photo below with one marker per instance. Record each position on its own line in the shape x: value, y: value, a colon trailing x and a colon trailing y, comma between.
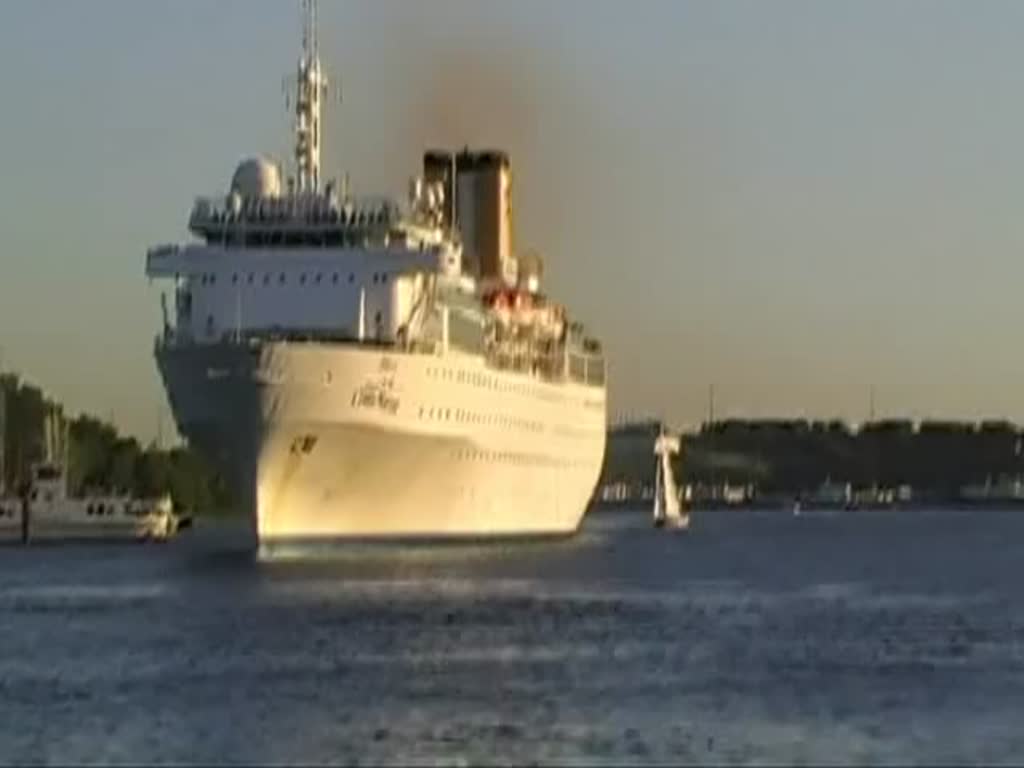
x: 753, y: 638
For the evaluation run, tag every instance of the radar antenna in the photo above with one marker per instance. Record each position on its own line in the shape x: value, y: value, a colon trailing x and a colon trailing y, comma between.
x: 311, y: 87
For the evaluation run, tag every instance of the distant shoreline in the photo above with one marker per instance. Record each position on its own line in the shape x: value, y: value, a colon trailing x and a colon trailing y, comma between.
x: 787, y: 507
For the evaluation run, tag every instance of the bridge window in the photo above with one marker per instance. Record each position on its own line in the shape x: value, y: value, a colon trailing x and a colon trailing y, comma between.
x: 302, y: 279
x: 234, y: 279
x: 351, y: 277
x: 335, y: 278
x: 250, y: 278
x: 281, y: 278
x: 266, y: 278
x: 319, y: 277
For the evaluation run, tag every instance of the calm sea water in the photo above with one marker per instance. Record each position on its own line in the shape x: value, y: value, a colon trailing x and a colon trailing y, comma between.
x: 756, y: 637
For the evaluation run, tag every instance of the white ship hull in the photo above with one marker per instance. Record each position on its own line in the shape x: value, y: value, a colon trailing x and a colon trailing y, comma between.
x: 337, y: 441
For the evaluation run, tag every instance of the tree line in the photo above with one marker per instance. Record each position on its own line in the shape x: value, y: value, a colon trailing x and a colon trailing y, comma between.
x: 97, y: 456
x: 936, y: 458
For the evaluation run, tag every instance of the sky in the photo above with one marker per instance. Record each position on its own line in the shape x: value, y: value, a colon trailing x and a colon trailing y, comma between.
x: 794, y: 201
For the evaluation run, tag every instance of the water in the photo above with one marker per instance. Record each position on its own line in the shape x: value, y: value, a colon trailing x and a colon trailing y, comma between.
x: 753, y: 638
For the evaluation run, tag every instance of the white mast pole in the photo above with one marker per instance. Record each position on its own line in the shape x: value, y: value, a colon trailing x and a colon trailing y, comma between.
x: 66, y: 438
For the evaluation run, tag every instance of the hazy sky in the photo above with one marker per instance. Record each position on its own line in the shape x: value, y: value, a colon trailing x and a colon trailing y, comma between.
x: 793, y: 200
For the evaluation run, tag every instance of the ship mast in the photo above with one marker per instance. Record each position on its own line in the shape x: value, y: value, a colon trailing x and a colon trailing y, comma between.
x: 311, y: 87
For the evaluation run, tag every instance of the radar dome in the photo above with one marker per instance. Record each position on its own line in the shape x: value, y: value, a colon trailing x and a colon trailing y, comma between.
x: 257, y: 177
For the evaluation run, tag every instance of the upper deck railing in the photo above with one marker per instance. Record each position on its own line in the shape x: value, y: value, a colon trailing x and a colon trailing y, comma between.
x: 309, y: 220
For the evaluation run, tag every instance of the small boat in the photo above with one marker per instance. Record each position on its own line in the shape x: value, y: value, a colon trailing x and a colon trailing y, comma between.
x: 48, y: 513
x: 668, y: 512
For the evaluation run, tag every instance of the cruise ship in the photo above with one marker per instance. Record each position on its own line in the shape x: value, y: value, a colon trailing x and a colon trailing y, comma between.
x: 359, y: 368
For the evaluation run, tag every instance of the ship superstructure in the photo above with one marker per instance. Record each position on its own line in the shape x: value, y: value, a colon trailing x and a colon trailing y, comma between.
x: 361, y: 368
